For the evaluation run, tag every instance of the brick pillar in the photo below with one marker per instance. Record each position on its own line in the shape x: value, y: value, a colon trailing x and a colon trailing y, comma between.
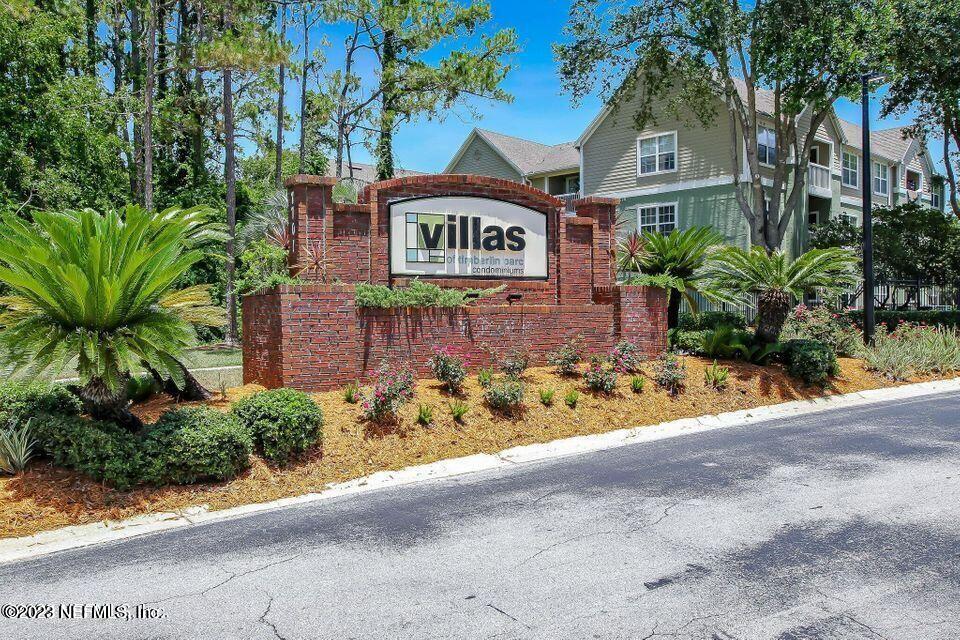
x: 575, y: 271
x: 311, y: 202
x: 604, y: 212
x: 643, y: 317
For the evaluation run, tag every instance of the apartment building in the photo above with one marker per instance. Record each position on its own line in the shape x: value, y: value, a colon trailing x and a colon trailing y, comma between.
x: 677, y: 174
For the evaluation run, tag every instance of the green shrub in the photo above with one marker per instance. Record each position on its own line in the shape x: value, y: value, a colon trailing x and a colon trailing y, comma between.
x: 505, y: 395
x: 546, y: 397
x: 458, y: 409
x: 709, y: 320
x: 282, y: 422
x: 670, y: 373
x: 418, y: 294
x: 823, y: 325
x: 567, y: 358
x: 21, y: 401
x: 810, y: 360
x: 485, y: 377
x: 625, y: 357
x: 448, y: 368
x: 716, y: 376
x: 140, y: 388
x: 722, y: 342
x: 424, y: 415
x: 600, y: 376
x: 196, y: 443
x: 17, y: 446
x: 571, y: 398
x: 515, y: 362
x: 262, y: 264
x: 101, y: 450
x: 637, y: 383
x: 687, y: 341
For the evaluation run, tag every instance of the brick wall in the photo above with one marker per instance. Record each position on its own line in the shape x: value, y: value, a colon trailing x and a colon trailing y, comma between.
x: 326, y: 342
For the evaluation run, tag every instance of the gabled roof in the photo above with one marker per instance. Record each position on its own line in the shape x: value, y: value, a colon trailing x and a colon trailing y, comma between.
x: 889, y: 144
x: 366, y: 173
x: 526, y: 156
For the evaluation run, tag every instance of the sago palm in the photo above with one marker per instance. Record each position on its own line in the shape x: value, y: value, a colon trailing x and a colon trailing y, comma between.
x: 679, y: 255
x: 98, y: 291
x: 733, y: 274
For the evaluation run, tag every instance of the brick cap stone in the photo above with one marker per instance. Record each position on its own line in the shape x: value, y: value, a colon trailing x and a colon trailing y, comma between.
x: 310, y: 180
x: 595, y: 200
x: 461, y: 179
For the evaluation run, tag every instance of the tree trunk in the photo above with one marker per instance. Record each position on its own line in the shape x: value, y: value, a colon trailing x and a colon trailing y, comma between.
x: 281, y: 112
x: 230, y: 176
x: 773, y: 307
x: 303, y: 92
x: 192, y: 389
x: 103, y: 404
x: 136, y: 77
x: 91, y: 24
x: 673, y: 309
x: 148, y: 105
x: 387, y: 113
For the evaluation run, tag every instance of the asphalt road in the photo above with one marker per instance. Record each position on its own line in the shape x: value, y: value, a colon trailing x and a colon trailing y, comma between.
x: 838, y: 525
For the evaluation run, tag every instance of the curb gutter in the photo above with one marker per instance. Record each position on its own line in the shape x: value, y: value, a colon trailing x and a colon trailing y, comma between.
x: 77, y: 536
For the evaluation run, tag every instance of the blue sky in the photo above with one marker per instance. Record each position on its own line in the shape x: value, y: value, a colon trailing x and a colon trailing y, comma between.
x: 540, y: 110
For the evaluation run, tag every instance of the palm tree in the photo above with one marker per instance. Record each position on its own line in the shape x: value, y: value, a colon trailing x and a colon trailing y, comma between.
x: 777, y: 281
x: 678, y: 255
x: 98, y: 291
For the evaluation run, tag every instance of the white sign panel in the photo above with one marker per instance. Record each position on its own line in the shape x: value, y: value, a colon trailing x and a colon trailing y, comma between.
x: 463, y: 236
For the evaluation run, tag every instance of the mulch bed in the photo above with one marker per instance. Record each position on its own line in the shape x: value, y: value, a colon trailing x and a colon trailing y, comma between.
x: 46, y: 497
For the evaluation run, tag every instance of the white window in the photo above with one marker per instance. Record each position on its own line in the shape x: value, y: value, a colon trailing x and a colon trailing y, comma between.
x: 914, y: 180
x: 657, y: 154
x: 657, y: 218
x: 850, y: 173
x: 766, y: 146
x: 880, y: 182
x: 936, y: 196
x: 849, y: 218
x: 572, y: 184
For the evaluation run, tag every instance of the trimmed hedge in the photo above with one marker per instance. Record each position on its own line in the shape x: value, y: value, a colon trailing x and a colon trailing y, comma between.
x: 101, y: 450
x: 892, y: 318
x: 282, y: 422
x: 810, y: 360
x: 196, y: 443
x: 20, y: 401
x: 709, y: 320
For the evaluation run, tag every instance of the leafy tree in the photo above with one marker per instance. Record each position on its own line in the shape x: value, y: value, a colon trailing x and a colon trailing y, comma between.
x: 708, y: 58
x: 734, y: 274
x: 97, y: 290
x: 912, y: 243
x: 925, y: 55
x: 679, y: 255
x: 407, y: 36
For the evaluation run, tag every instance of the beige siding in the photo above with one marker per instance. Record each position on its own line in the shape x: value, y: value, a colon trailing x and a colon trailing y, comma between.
x: 610, y: 154
x: 480, y: 159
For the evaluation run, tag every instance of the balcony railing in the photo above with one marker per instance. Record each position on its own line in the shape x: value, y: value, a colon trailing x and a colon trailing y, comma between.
x: 820, y: 180
x: 568, y: 199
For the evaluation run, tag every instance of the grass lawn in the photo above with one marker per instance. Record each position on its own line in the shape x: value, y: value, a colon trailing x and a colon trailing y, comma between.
x: 45, y: 497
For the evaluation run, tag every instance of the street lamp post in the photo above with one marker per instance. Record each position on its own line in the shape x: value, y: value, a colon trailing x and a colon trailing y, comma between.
x: 867, y: 173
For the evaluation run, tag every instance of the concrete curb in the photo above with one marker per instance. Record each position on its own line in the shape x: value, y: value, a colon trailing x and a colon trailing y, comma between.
x: 74, y: 537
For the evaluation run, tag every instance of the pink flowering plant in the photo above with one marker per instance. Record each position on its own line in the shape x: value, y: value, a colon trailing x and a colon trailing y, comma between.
x: 824, y: 325
x: 392, y: 388
x: 625, y: 357
x: 448, y: 368
x: 600, y: 376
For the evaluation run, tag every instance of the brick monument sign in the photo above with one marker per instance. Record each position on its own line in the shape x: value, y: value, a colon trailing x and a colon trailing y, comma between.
x: 557, y: 269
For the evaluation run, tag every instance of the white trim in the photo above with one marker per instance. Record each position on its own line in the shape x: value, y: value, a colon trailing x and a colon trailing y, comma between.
x: 656, y: 136
x: 479, y: 133
x: 852, y: 201
x: 593, y: 126
x: 859, y: 159
x: 874, y: 162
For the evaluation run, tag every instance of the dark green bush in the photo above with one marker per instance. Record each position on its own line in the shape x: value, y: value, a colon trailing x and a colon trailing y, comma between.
x: 196, y: 443
x: 140, y: 388
x: 687, y: 341
x: 282, y: 422
x: 418, y: 294
x: 892, y: 318
x: 810, y: 360
x: 101, y: 450
x: 708, y: 320
x: 20, y: 401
